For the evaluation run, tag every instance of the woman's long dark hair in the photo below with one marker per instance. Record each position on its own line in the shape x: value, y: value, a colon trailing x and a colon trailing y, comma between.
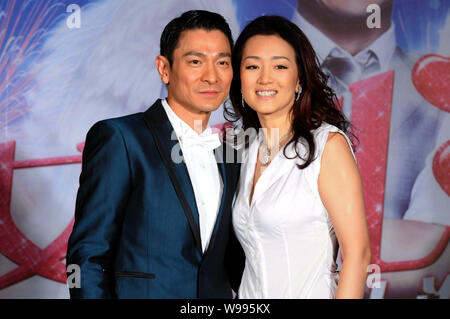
x: 317, y: 103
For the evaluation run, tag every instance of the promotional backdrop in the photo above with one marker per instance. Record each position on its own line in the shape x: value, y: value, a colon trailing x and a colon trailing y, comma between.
x: 66, y: 64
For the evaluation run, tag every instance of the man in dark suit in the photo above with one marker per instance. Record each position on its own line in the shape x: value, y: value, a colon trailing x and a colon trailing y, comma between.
x: 153, y: 210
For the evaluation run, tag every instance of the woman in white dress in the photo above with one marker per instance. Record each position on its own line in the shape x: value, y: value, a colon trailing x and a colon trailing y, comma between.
x: 300, y: 195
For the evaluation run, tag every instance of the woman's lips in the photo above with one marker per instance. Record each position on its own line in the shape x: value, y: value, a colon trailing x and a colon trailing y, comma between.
x: 266, y: 94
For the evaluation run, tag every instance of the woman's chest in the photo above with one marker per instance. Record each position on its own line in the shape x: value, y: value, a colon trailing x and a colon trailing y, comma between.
x: 280, y: 203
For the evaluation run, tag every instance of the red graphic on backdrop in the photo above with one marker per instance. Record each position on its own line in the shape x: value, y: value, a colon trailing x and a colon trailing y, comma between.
x: 441, y: 167
x: 31, y: 259
x: 431, y: 77
x: 371, y: 111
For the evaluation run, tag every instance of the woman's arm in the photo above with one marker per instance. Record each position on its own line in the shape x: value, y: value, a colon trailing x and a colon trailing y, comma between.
x: 341, y: 192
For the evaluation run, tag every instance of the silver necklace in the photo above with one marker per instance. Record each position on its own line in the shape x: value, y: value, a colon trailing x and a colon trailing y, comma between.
x: 267, y: 151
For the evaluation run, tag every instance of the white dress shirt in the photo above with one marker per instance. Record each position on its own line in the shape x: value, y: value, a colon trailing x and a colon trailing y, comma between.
x: 203, y: 172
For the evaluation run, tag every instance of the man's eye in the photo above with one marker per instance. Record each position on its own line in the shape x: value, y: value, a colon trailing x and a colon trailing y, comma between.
x: 224, y: 63
x: 195, y: 62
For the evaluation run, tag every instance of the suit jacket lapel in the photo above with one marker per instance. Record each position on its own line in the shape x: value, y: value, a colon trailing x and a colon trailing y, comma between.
x: 159, y: 124
x: 219, y: 154
x: 223, y: 172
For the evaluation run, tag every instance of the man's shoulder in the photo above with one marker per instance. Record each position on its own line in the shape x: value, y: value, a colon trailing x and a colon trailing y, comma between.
x: 125, y: 122
x: 115, y: 125
x: 121, y: 121
x: 113, y: 128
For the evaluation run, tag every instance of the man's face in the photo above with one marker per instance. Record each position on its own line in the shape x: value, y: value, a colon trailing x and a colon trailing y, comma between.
x: 353, y: 8
x: 200, y: 76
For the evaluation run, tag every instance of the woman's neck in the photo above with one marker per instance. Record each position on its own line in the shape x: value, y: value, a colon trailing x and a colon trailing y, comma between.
x: 274, y: 128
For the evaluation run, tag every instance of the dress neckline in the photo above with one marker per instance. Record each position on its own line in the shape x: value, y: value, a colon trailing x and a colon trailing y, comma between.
x: 251, y: 169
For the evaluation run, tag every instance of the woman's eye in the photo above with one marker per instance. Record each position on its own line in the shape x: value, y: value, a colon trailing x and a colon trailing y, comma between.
x: 251, y: 67
x: 281, y: 67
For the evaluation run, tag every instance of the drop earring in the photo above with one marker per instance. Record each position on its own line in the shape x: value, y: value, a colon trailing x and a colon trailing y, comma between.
x: 298, y: 94
x: 242, y: 100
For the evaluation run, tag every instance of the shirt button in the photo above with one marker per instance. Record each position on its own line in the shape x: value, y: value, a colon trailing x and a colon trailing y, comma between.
x: 202, y: 165
x: 203, y: 202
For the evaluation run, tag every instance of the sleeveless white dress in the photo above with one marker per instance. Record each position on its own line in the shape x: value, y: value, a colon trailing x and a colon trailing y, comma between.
x: 286, y: 233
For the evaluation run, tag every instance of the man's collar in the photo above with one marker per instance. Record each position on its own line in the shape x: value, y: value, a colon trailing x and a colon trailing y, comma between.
x: 180, y: 126
x: 320, y: 42
x: 383, y: 47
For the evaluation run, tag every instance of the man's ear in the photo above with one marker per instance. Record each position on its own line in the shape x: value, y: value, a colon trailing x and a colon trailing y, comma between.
x: 163, y: 67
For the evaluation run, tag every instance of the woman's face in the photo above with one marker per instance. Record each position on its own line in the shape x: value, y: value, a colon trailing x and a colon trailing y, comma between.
x: 269, y: 76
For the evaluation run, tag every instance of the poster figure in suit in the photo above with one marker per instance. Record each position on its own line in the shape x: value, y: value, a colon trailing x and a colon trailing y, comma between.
x: 415, y: 215
x: 103, y: 69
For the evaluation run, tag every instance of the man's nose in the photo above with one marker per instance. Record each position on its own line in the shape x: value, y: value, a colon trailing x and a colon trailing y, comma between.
x: 210, y: 73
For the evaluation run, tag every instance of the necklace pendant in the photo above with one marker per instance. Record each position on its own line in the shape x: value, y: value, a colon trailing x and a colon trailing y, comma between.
x: 265, y: 158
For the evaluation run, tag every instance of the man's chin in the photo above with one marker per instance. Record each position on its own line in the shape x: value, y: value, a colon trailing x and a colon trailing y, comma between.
x: 210, y: 107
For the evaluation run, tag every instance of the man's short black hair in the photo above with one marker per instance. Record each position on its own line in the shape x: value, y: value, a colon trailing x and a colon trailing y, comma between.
x: 191, y: 20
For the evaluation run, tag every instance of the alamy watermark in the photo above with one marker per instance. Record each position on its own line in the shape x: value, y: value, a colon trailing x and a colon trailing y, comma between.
x: 374, y: 277
x: 73, y: 21
x: 234, y: 138
x: 374, y: 19
x: 73, y: 276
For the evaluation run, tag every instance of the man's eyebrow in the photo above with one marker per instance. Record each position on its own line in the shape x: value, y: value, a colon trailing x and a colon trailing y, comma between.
x: 201, y: 55
x: 276, y: 57
x: 224, y: 55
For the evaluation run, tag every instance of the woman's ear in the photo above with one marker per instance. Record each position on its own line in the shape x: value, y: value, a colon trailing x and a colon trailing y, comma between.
x: 163, y: 67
